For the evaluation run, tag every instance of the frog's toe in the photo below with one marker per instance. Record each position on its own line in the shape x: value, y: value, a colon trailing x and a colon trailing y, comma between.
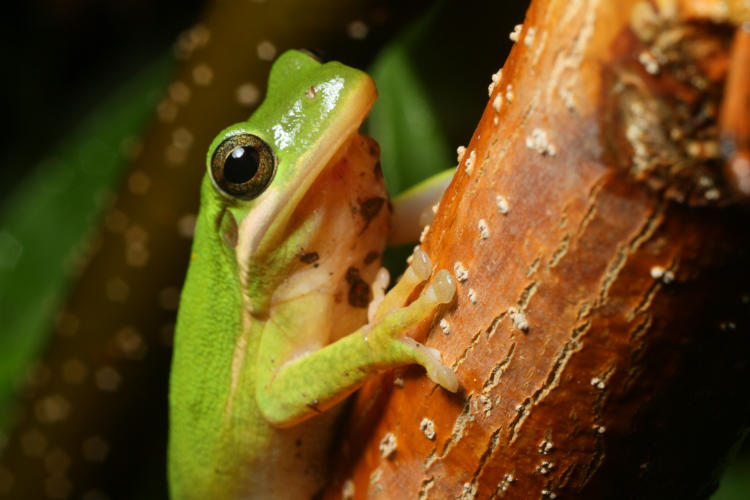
x: 421, y: 264
x: 420, y: 268
x: 379, y: 284
x: 444, y: 286
x: 432, y: 362
x: 441, y: 290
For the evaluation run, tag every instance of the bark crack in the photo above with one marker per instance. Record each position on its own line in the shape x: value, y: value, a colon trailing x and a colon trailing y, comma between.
x: 473, y: 342
x: 425, y: 487
x: 646, y: 300
x: 653, y: 221
x: 560, y: 252
x: 521, y: 413
x: 497, y: 370
x: 533, y: 267
x: 494, y: 325
x: 459, y: 426
x: 591, y: 211
x: 612, y: 272
x: 488, y: 452
x: 552, y: 378
x: 526, y: 295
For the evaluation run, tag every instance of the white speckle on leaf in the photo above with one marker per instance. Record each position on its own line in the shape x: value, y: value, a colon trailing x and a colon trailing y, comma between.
x: 509, y: 95
x: 472, y: 296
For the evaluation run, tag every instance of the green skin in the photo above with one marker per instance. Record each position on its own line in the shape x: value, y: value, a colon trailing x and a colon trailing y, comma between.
x: 273, y: 330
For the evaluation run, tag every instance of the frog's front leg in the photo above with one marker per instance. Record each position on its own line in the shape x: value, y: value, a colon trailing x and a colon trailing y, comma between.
x: 289, y: 392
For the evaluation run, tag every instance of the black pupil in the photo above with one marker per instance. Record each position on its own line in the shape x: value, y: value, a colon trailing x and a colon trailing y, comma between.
x: 241, y: 165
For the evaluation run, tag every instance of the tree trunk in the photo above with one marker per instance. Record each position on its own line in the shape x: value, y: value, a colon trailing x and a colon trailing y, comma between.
x: 600, y: 329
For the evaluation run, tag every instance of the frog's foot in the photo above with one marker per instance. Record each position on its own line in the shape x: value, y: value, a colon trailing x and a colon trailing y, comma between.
x: 388, y: 332
x: 420, y: 267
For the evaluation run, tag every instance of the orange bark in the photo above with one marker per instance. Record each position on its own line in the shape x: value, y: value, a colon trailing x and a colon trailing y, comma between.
x: 601, y: 257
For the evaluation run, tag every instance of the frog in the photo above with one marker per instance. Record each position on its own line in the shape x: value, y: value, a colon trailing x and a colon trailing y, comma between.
x: 285, y: 309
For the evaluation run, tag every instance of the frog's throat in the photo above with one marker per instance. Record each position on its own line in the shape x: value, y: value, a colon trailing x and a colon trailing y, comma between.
x: 276, y: 206
x: 271, y: 214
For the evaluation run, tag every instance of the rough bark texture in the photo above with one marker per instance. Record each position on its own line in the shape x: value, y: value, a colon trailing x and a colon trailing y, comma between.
x: 600, y: 329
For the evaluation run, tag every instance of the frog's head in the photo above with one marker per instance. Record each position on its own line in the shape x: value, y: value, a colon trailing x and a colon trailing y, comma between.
x: 262, y: 169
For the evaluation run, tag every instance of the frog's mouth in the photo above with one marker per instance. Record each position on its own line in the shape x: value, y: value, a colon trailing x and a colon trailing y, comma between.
x: 261, y: 230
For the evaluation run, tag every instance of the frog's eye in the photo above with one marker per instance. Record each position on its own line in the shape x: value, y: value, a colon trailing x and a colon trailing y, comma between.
x: 243, y: 166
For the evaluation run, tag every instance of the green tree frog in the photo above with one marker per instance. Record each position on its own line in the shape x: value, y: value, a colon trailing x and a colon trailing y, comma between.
x: 283, y: 313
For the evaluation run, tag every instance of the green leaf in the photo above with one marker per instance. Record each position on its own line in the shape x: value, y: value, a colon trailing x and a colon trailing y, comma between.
x: 44, y: 224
